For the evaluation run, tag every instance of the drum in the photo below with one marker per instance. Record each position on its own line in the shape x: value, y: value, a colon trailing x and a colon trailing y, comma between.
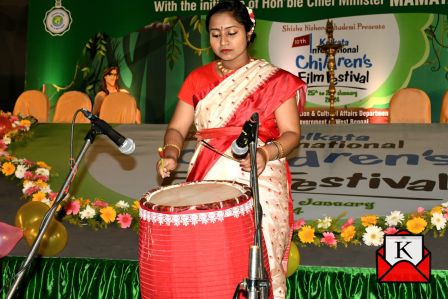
x: 194, y: 240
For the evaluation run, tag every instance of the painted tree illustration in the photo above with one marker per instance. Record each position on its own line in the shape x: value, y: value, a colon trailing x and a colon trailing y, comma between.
x: 154, y: 49
x: 438, y: 44
x: 99, y: 52
x: 147, y: 55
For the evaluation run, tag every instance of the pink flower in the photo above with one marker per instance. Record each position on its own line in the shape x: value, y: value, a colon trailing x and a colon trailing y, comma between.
x: 124, y: 220
x: 28, y: 175
x: 72, y: 207
x: 100, y: 204
x: 28, y: 162
x: 390, y: 230
x: 31, y: 191
x: 349, y: 222
x: 41, y: 177
x: 328, y: 239
x: 52, y: 195
x: 420, y: 210
x: 298, y: 224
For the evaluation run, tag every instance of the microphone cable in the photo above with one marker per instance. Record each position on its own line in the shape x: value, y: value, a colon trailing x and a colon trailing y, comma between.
x: 72, y: 132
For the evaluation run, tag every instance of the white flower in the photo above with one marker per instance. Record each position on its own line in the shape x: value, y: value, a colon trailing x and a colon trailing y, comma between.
x: 27, y: 185
x: 445, y: 204
x: 324, y: 223
x: 6, y: 140
x: 87, y: 213
x: 122, y: 204
x: 395, y: 218
x: 43, y: 171
x: 20, y: 171
x: 46, y: 189
x: 373, y: 236
x: 438, y: 221
x: 46, y: 201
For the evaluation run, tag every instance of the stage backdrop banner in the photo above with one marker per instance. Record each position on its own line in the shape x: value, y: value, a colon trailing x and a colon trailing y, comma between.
x: 387, y: 45
x: 357, y: 169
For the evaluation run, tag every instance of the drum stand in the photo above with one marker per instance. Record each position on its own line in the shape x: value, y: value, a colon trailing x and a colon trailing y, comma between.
x: 90, y: 137
x: 257, y: 284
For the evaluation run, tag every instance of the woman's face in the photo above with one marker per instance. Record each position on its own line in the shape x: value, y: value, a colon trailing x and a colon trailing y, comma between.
x: 111, y: 77
x: 228, y: 38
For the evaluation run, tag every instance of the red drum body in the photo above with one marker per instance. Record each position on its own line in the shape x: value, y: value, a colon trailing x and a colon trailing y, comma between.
x: 194, y: 240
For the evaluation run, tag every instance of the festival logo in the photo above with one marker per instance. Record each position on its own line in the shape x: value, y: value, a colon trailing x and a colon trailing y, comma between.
x: 57, y: 20
x: 369, y: 57
x: 403, y: 258
x: 362, y: 65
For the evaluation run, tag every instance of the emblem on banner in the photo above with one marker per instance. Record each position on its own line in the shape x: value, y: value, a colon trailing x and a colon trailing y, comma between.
x: 403, y: 258
x: 57, y: 20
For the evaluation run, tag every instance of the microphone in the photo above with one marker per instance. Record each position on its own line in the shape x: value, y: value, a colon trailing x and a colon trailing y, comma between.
x: 240, y: 145
x: 125, y: 145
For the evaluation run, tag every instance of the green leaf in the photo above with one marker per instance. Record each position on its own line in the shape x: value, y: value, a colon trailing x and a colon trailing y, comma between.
x: 193, y: 20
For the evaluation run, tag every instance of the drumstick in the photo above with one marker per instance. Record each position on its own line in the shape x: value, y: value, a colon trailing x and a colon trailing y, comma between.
x: 161, y: 155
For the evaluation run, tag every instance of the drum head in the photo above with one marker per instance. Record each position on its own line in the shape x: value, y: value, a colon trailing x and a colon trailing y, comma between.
x: 196, y: 195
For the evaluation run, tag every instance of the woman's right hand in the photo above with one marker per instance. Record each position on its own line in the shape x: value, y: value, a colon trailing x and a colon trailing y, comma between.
x: 165, y: 166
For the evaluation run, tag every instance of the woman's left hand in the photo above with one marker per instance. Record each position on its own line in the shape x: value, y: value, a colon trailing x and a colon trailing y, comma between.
x: 261, y: 162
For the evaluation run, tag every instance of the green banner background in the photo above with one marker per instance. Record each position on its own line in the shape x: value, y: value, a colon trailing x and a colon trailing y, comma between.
x: 157, y: 49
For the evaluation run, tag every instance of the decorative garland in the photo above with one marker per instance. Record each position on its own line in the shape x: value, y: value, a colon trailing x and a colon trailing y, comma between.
x: 96, y: 213
x: 369, y: 229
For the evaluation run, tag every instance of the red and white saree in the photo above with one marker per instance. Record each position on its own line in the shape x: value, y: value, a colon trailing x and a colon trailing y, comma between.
x: 222, y: 105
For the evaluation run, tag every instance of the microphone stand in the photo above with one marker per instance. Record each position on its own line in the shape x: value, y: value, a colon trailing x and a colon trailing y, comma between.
x: 257, y: 284
x: 90, y: 137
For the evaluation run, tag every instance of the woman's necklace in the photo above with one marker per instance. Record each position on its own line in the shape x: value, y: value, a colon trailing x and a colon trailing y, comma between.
x: 225, y: 70
x: 222, y: 69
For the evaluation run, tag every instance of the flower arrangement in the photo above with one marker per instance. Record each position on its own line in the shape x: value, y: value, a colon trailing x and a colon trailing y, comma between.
x: 96, y: 213
x: 99, y: 214
x: 369, y: 229
x: 13, y: 128
x: 35, y: 177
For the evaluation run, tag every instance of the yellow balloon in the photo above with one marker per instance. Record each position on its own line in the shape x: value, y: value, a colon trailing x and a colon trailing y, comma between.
x: 53, y: 241
x: 30, y: 212
x: 293, y: 260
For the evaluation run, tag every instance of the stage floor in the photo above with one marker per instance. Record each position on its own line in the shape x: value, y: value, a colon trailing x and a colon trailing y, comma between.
x: 116, y: 243
x: 351, y: 169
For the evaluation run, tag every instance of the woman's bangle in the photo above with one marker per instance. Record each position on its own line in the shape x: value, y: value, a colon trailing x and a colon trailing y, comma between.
x: 265, y: 153
x: 279, y: 147
x: 173, y: 145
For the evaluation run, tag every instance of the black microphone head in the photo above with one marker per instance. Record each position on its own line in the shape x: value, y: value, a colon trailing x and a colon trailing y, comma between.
x: 89, y: 115
x: 254, y: 117
x: 238, y: 150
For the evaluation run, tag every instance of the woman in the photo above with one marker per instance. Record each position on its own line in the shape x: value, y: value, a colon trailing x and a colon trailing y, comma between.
x: 109, y: 85
x: 219, y: 97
